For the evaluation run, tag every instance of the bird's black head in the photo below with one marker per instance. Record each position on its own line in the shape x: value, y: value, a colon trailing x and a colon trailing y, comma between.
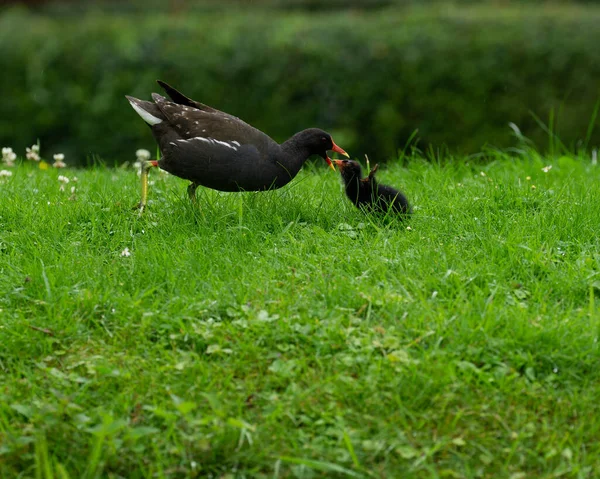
x: 350, y: 170
x: 319, y: 142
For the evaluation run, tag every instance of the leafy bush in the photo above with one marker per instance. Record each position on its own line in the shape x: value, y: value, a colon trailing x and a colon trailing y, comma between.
x: 457, y: 75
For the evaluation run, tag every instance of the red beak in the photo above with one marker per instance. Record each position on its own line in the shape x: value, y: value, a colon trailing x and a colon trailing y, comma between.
x: 339, y: 150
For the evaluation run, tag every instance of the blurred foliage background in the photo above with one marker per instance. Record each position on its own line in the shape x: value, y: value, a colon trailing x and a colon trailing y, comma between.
x: 371, y: 72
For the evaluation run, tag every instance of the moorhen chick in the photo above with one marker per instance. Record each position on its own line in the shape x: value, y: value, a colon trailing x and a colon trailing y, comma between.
x: 217, y: 150
x: 367, y: 193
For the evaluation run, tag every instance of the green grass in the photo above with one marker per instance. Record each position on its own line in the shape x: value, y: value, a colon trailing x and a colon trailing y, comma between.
x: 286, y: 334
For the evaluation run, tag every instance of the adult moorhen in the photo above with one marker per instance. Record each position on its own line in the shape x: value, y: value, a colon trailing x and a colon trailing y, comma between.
x: 217, y: 150
x: 367, y: 193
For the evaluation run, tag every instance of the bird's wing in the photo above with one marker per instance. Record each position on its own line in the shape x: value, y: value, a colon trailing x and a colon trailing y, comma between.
x: 181, y: 99
x: 190, y: 122
x: 373, y: 171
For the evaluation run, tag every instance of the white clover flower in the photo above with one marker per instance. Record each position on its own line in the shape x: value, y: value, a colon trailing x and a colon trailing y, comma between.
x: 58, y: 161
x: 64, y: 180
x: 8, y: 156
x: 5, y: 173
x: 546, y: 169
x: 142, y: 155
x: 33, y: 153
x: 72, y: 197
x: 126, y: 253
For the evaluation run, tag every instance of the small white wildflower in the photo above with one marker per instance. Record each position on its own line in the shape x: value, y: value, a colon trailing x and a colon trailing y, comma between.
x: 482, y: 173
x: 533, y: 187
x: 8, y: 156
x: 75, y: 179
x: 126, y: 253
x: 72, y: 189
x: 5, y: 173
x: 64, y: 180
x: 546, y: 169
x: 59, y: 161
x: 142, y: 155
x: 409, y: 228
x: 528, y: 178
x: 33, y: 153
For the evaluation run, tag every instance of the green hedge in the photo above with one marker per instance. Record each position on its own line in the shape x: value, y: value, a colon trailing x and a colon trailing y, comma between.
x: 458, y: 75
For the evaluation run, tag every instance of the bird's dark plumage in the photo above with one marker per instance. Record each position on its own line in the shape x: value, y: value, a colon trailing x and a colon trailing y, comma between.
x: 367, y: 193
x: 218, y: 150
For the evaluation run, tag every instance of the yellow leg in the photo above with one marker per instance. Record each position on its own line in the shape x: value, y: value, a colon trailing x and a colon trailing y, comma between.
x: 191, y: 190
x: 146, y: 165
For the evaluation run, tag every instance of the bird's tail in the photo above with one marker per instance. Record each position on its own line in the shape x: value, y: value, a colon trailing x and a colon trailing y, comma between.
x: 149, y: 112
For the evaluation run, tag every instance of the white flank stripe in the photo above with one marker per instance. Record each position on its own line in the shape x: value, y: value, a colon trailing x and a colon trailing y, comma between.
x: 236, y: 143
x: 211, y: 141
x: 207, y: 140
x: 224, y: 143
x: 147, y: 117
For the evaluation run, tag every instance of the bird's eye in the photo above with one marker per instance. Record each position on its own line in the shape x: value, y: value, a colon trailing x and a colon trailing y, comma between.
x: 323, y: 139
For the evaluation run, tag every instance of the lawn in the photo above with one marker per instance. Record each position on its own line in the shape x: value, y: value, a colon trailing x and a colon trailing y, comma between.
x: 287, y: 334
